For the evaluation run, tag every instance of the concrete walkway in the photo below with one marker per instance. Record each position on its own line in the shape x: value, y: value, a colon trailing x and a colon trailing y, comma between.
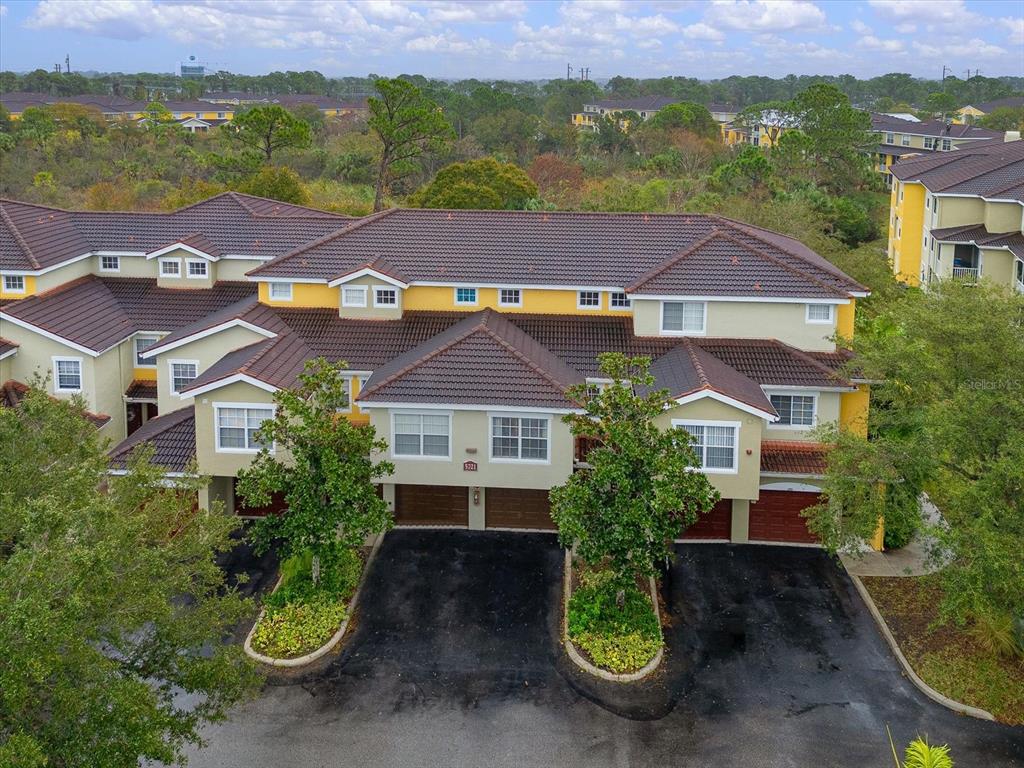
x: 913, y: 560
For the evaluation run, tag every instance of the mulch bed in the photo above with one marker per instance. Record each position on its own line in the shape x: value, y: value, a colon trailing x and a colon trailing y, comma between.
x: 944, y: 655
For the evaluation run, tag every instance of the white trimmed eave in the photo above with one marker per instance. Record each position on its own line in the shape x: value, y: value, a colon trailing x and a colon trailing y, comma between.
x: 366, y: 406
x: 366, y: 272
x: 9, y: 353
x: 66, y: 262
x: 738, y: 404
x: 54, y: 337
x: 232, y: 379
x: 795, y: 388
x: 756, y: 299
x: 158, y: 348
x: 179, y: 246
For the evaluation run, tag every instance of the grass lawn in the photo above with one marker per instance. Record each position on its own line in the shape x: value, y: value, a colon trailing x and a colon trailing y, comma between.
x: 946, y: 656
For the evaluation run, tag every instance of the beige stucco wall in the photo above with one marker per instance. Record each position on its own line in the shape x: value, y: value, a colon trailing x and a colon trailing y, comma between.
x: 1003, y: 217
x: 210, y: 461
x: 184, y: 281
x: 958, y: 211
x: 128, y: 266
x: 5, y: 368
x: 997, y: 265
x: 828, y: 413
x: 470, y: 432
x: 745, y: 320
x: 235, y: 269
x: 65, y: 274
x: 369, y: 312
x: 206, y: 352
x: 742, y: 484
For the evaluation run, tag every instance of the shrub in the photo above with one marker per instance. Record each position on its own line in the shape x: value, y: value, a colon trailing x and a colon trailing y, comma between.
x: 618, y: 639
x: 339, y: 575
x: 297, y: 628
x: 997, y: 634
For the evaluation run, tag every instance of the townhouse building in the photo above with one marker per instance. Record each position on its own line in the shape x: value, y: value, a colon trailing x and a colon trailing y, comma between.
x: 899, y: 138
x: 960, y: 214
x: 462, y: 332
x: 971, y: 113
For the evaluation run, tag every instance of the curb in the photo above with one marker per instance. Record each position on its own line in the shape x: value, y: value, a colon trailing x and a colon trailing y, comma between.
x: 301, y: 661
x: 927, y: 690
x: 577, y: 657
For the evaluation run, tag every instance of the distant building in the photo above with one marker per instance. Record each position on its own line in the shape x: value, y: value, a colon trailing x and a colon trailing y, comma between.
x: 192, y: 69
x: 900, y: 138
x: 971, y: 113
x: 645, y: 106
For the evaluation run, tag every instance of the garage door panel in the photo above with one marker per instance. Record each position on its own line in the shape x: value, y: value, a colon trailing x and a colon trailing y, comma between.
x: 715, y: 524
x: 776, y: 517
x: 431, y: 505
x: 276, y: 506
x: 518, y: 508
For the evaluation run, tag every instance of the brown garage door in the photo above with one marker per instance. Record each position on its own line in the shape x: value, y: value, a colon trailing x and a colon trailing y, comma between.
x: 431, y: 505
x: 276, y: 506
x: 716, y: 524
x: 776, y: 517
x: 518, y: 508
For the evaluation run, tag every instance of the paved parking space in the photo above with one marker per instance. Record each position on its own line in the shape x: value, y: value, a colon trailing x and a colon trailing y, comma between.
x: 455, y: 661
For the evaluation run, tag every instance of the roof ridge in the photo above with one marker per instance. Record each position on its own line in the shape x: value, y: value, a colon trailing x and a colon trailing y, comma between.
x: 698, y: 366
x: 672, y: 261
x: 1000, y: 164
x: 22, y: 242
x: 520, y: 355
x: 783, y: 263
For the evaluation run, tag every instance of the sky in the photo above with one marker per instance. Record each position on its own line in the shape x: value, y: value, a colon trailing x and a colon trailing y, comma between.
x: 520, y: 39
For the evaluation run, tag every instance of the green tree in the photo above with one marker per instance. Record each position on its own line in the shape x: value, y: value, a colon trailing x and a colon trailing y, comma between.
x: 511, y: 131
x: 37, y: 125
x: 941, y: 104
x: 686, y: 115
x: 839, y: 137
x: 324, y: 466
x: 276, y: 182
x: 111, y: 602
x: 311, y: 115
x: 267, y: 128
x: 639, y: 492
x: 771, y: 118
x: 483, y: 183
x: 1004, y: 119
x: 946, y: 417
x: 408, y: 125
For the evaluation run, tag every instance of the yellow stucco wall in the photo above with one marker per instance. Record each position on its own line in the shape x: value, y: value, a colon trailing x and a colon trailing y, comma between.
x: 845, y: 317
x: 30, y: 289
x: 303, y: 295
x: 907, y: 246
x: 853, y: 410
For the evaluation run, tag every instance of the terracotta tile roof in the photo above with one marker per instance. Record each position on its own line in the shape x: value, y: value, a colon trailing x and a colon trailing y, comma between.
x: 13, y: 392
x: 793, y: 457
x: 993, y: 170
x: 569, y: 248
x: 483, y: 359
x: 640, y: 103
x: 141, y: 390
x: 769, y: 361
x: 34, y: 237
x: 6, y: 345
x: 937, y: 128
x: 98, y: 313
x: 172, y: 435
x: 980, y: 236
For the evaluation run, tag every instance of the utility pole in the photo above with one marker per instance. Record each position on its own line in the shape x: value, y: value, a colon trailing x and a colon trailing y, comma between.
x: 568, y: 71
x: 944, y: 70
x: 67, y: 61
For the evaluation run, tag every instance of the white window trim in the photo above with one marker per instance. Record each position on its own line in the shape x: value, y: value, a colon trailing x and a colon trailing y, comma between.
x: 794, y: 427
x: 661, y: 319
x: 735, y: 448
x: 473, y: 303
x: 831, y: 314
x: 289, y: 297
x: 588, y: 307
x: 618, y: 308
x: 135, y: 349
x: 57, y: 388
x: 420, y: 457
x: 170, y: 372
x: 217, y: 407
x: 117, y: 259
x: 492, y: 415
x: 378, y: 305
x: 358, y: 289
x: 24, y: 284
x: 510, y: 303
x: 161, y: 262
x: 206, y: 267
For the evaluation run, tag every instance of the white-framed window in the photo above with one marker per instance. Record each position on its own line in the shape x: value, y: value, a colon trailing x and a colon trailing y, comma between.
x: 198, y: 269
x: 620, y: 301
x: 947, y: 144
x: 1018, y: 274
x: 14, y: 283
x: 465, y: 296
x: 170, y: 267
x: 353, y: 296
x: 899, y: 229
x: 890, y: 138
x: 417, y: 435
x: 588, y: 299
x: 905, y: 139
x: 929, y: 142
x: 682, y: 317
x: 794, y: 410
x: 67, y: 374
x: 236, y: 425
x: 385, y: 296
x: 281, y: 291
x: 520, y: 438
x: 142, y: 343
x: 221, y: 115
x: 820, y: 313
x: 900, y: 196
x: 717, y: 444
x: 510, y: 297
x: 182, y: 373
x: 110, y: 263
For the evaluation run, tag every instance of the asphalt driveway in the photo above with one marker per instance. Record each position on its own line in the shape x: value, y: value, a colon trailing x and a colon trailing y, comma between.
x: 454, y: 661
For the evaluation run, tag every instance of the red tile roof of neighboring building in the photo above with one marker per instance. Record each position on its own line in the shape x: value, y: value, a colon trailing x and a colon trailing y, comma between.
x: 937, y: 128
x: 172, y: 435
x: 992, y: 170
x: 6, y: 346
x: 13, y: 392
x: 141, y: 390
x: 979, y: 235
x: 793, y: 457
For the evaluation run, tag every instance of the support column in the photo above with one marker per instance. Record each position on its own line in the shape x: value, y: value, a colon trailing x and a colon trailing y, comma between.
x: 477, y: 508
x: 740, y: 531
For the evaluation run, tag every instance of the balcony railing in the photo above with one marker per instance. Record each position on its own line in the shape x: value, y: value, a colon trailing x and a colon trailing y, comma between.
x: 969, y: 274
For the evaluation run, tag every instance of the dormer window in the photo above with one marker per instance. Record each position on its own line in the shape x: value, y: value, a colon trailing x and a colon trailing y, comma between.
x: 170, y: 267
x: 14, y: 284
x: 510, y: 297
x: 110, y: 263
x: 588, y: 300
x: 384, y: 296
x: 198, y: 269
x: 620, y: 301
x: 683, y: 317
x: 465, y: 296
x: 353, y: 296
x: 281, y: 291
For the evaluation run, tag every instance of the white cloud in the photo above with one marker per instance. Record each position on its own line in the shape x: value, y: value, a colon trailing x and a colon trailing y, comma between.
x: 447, y: 43
x: 455, y: 12
x: 1015, y: 26
x: 859, y: 26
x: 931, y: 15
x: 766, y: 15
x: 3, y: 11
x: 872, y: 43
x: 702, y: 31
x: 985, y: 49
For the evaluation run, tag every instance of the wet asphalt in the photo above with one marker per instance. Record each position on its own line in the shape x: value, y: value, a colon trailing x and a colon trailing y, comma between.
x: 455, y: 660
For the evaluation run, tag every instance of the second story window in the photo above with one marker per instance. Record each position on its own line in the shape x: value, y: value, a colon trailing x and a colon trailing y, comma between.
x: 67, y: 374
x: 236, y: 428
x: 421, y: 435
x: 385, y: 297
x: 819, y: 313
x: 183, y: 373
x: 142, y: 343
x: 514, y: 438
x: 929, y: 142
x: 14, y: 284
x: 620, y: 301
x: 510, y: 297
x: 281, y: 291
x: 890, y: 138
x: 198, y: 269
x: 110, y: 263
x: 465, y: 295
x: 354, y: 296
x: 588, y: 299
x: 947, y: 144
x: 905, y: 139
x: 794, y: 410
x: 683, y: 317
x: 170, y: 268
